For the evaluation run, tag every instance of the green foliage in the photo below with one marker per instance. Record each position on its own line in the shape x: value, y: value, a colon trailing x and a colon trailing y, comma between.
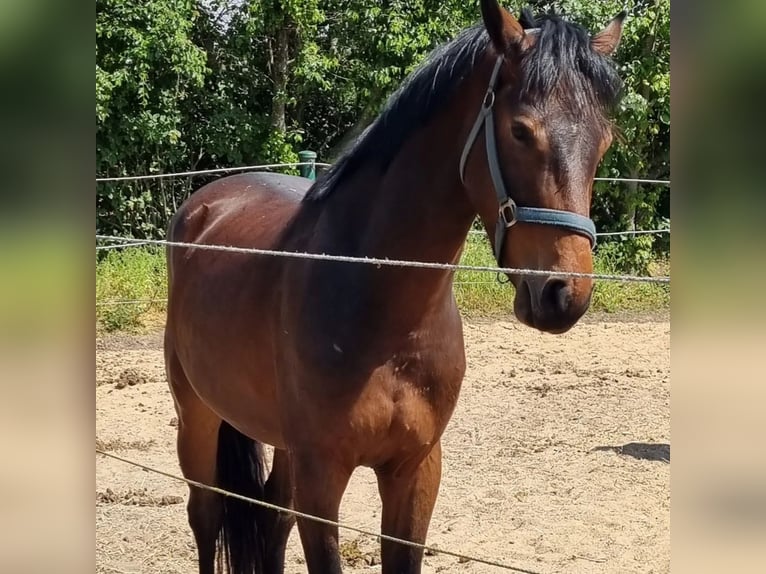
x: 129, y: 274
x: 611, y: 297
x: 147, y: 68
x: 361, y: 53
x: 280, y: 147
x: 480, y: 293
x: 184, y: 84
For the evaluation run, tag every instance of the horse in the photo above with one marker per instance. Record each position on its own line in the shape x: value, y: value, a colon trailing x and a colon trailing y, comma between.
x: 339, y: 365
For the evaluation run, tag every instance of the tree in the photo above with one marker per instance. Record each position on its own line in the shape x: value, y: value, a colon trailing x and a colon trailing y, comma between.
x: 364, y: 51
x: 146, y: 68
x: 193, y: 85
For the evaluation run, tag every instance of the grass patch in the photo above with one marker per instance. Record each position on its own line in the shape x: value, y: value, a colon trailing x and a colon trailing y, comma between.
x: 127, y: 282
x: 481, y: 294
x: 613, y: 296
x: 139, y: 274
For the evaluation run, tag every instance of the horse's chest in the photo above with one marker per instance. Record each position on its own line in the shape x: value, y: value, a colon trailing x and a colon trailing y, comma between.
x: 427, y: 369
x: 428, y: 381
x: 405, y: 406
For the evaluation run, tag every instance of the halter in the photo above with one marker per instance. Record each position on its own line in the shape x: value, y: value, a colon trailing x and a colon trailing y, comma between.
x: 510, y: 213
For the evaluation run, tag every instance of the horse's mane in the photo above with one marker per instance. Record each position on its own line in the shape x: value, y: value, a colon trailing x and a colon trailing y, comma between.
x: 560, y: 58
x: 413, y: 104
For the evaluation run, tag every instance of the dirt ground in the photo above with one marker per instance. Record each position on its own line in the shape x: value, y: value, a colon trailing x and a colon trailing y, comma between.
x: 557, y: 458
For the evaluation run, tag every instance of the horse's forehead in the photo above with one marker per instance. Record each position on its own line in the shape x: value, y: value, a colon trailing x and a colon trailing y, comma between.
x: 568, y: 116
x: 575, y: 143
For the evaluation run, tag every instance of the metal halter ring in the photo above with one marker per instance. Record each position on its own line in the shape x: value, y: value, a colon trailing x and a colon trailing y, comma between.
x: 489, y: 99
x: 506, y: 208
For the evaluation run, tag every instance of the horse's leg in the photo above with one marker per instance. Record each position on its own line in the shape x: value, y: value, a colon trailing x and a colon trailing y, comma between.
x: 197, y: 447
x: 277, y: 525
x: 408, y: 500
x: 319, y: 481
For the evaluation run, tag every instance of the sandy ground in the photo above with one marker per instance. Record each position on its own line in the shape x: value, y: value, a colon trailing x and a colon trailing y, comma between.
x: 557, y: 458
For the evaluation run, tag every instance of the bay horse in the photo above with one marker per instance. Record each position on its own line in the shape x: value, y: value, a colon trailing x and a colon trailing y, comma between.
x: 340, y: 365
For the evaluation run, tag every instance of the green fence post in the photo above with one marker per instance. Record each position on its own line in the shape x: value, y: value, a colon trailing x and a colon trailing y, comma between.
x: 308, y: 157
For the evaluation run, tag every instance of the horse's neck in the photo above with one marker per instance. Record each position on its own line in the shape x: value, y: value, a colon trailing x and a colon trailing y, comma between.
x: 417, y: 209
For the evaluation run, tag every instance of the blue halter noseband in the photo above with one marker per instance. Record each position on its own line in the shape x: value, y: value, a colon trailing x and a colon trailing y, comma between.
x: 509, y: 212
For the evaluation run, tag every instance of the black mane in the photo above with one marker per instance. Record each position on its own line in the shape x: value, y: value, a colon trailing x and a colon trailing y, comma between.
x: 421, y: 94
x: 560, y: 58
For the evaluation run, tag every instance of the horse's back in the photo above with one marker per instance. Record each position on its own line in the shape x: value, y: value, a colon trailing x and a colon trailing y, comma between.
x: 249, y: 209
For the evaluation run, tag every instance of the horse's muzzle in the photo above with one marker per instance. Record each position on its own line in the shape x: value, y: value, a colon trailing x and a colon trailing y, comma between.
x: 552, y: 304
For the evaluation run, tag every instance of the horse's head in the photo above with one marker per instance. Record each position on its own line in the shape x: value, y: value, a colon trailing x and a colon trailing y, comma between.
x: 544, y: 117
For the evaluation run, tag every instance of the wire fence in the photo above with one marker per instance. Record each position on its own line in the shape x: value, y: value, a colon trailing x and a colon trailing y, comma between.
x: 121, y: 242
x: 269, y: 166
x: 634, y: 232
x: 305, y: 516
x: 120, y: 246
x: 392, y: 262
x: 633, y: 180
x: 474, y: 232
x: 471, y: 232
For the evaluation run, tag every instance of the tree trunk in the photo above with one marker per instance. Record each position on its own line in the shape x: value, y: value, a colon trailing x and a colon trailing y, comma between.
x: 631, y: 201
x: 279, y: 76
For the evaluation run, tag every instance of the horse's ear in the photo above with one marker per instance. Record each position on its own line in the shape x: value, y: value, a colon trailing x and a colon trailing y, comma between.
x: 606, y: 41
x: 503, y: 29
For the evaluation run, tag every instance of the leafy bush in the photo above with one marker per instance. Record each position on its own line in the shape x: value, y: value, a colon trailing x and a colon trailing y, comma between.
x: 183, y: 85
x: 127, y: 275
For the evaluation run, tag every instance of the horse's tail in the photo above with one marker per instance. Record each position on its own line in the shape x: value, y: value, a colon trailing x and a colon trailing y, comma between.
x: 241, y: 468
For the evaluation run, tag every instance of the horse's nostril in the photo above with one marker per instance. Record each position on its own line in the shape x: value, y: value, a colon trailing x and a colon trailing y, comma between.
x: 557, y: 295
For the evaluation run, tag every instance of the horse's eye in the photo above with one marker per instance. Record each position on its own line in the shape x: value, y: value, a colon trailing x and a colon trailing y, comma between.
x: 521, y: 132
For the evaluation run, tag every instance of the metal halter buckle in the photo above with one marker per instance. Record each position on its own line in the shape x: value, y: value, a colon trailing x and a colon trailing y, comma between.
x: 508, y: 212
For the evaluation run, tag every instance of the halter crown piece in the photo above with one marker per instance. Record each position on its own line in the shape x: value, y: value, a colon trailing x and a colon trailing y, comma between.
x: 510, y: 213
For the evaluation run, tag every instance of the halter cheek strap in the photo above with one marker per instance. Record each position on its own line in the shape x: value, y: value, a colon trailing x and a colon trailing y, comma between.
x: 509, y: 213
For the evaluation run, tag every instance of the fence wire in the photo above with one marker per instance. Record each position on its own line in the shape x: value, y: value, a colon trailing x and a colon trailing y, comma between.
x: 392, y: 262
x: 317, y: 164
x: 303, y: 515
x: 471, y: 232
x: 206, y: 171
